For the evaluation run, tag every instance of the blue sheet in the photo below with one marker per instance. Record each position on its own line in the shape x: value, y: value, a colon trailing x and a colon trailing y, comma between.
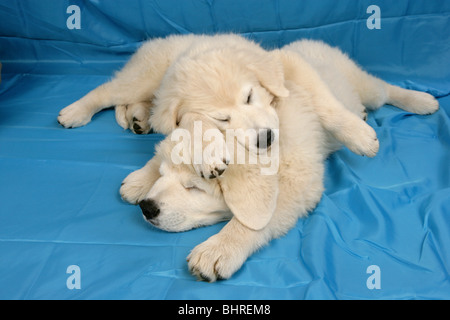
x: 381, y: 230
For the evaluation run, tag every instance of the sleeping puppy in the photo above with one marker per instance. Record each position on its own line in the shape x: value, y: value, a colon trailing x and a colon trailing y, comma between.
x: 173, y: 197
x: 236, y: 83
x: 146, y: 80
x: 320, y: 104
x: 308, y: 96
x: 167, y: 78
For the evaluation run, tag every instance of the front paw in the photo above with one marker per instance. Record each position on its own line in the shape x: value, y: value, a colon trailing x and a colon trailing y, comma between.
x: 213, y: 163
x: 211, y: 169
x: 215, y: 259
x: 135, y: 187
x: 360, y: 138
x: 366, y: 142
x: 74, y: 116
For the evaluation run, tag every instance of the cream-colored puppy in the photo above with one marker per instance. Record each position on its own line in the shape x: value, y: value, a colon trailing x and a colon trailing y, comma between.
x: 161, y: 61
x: 308, y: 97
x: 167, y: 78
x: 324, y: 107
x: 157, y: 81
x: 166, y: 75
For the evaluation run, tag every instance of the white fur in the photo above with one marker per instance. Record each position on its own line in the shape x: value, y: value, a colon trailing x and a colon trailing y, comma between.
x: 313, y: 94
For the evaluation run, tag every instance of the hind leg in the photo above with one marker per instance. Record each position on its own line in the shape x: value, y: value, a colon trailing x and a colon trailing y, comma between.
x: 412, y: 100
x: 375, y: 93
x: 344, y: 124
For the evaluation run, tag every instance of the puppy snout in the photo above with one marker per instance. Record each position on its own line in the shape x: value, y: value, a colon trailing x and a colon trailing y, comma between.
x: 149, y: 208
x: 265, y: 138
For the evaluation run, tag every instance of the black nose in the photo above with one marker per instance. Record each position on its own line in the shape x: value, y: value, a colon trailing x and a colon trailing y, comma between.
x: 149, y: 209
x: 265, y: 138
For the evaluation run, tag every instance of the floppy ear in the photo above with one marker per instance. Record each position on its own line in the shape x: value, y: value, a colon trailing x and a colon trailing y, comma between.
x: 251, y: 197
x: 269, y: 70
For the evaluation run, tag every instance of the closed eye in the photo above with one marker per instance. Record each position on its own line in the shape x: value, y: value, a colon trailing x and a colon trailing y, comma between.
x: 193, y: 188
x: 222, y: 119
x: 249, y: 97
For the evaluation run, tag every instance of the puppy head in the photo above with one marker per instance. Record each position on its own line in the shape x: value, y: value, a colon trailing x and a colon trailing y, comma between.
x: 236, y: 87
x: 180, y: 200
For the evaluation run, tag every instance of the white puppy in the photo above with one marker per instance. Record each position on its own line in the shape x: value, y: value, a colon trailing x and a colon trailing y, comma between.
x: 308, y: 97
x: 326, y: 103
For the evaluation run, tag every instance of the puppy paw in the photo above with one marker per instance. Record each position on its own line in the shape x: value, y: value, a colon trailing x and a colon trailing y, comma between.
x: 215, y: 259
x: 74, y: 116
x: 366, y: 144
x: 213, y: 169
x: 214, y: 161
x: 364, y: 114
x: 134, y: 117
x: 135, y: 187
x: 422, y: 103
x: 360, y: 138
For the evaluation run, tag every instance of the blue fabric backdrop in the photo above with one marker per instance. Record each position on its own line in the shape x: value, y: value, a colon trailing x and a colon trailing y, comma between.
x: 59, y: 200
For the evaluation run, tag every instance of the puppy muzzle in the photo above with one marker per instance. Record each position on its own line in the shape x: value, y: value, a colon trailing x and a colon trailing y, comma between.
x: 149, y: 208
